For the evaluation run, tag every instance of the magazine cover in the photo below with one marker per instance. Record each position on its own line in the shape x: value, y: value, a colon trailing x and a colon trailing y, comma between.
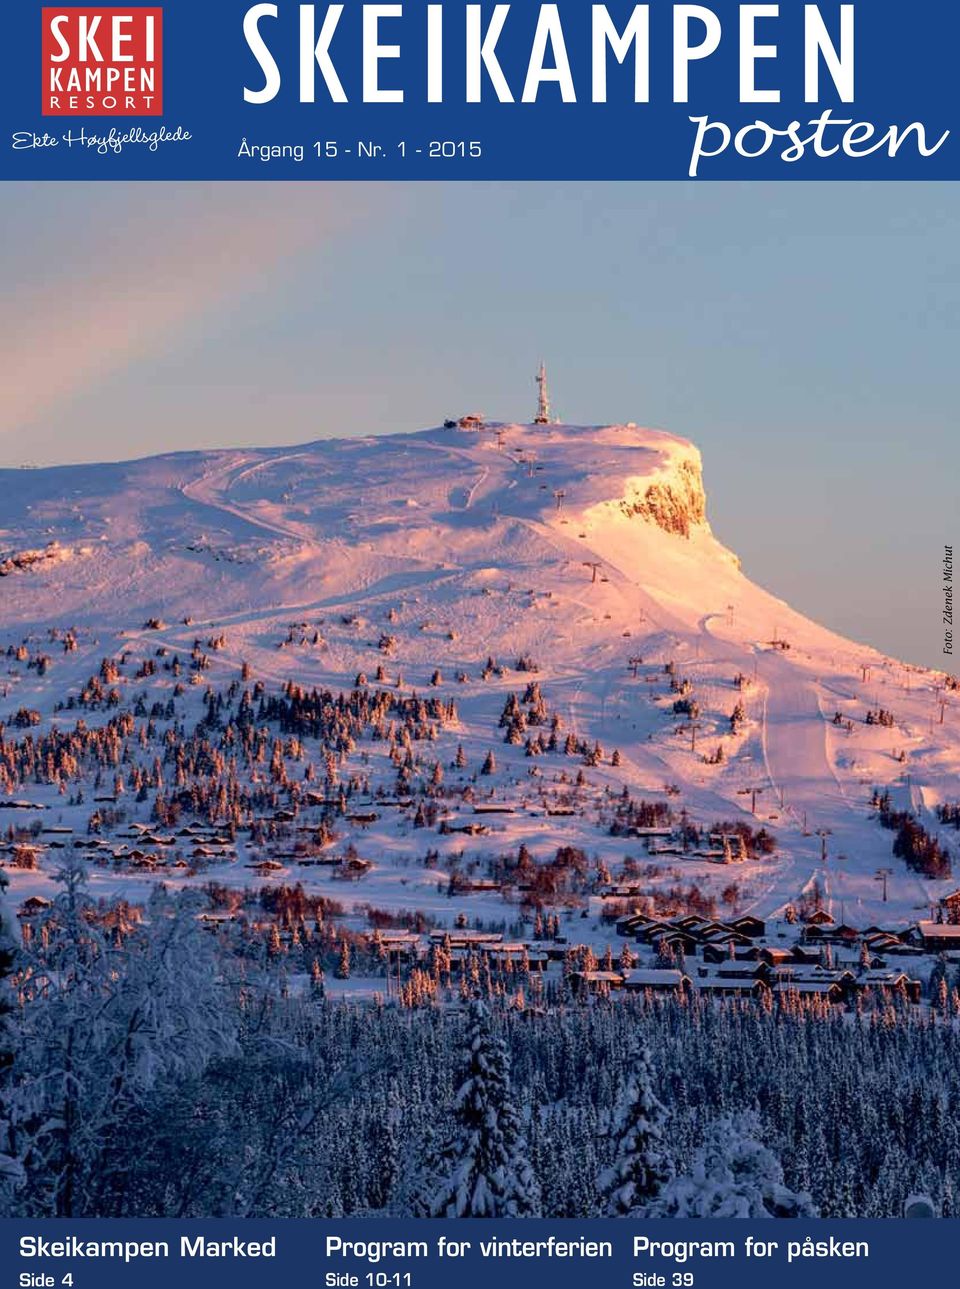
x: 479, y: 726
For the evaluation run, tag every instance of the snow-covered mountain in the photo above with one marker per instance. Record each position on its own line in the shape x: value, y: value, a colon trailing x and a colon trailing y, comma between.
x: 579, y: 557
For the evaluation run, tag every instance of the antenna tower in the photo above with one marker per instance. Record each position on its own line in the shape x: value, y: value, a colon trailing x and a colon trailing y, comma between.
x: 543, y: 399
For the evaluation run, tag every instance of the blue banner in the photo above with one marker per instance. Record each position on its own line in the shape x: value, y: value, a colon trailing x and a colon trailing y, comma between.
x: 377, y: 1253
x: 235, y: 90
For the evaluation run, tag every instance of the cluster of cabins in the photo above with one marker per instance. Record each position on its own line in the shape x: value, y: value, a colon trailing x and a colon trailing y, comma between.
x: 717, y: 848
x: 737, y: 959
x: 465, y: 946
x: 692, y: 933
x: 755, y: 981
x: 733, y: 960
x: 151, y: 848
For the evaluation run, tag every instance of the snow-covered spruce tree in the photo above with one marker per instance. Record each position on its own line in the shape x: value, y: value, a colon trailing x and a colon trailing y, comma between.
x: 11, y: 1172
x: 65, y: 974
x: 733, y: 1175
x: 104, y: 1026
x: 640, y: 1168
x: 482, y: 1168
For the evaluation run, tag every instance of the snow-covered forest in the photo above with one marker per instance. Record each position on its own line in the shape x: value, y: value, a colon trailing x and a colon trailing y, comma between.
x: 152, y: 1076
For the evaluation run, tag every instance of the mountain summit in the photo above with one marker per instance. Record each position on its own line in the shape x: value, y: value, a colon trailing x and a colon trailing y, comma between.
x: 365, y: 515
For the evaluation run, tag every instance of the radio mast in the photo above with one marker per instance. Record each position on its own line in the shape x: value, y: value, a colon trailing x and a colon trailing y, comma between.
x: 543, y: 399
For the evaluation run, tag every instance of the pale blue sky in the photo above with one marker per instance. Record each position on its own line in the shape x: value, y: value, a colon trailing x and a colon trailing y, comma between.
x: 804, y: 335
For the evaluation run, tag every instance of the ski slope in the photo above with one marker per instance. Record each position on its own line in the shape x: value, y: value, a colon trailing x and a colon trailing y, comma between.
x: 580, y: 548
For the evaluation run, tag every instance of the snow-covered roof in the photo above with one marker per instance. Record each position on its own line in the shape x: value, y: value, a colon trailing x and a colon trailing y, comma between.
x: 734, y: 984
x: 654, y: 977
x: 939, y: 931
x: 806, y: 986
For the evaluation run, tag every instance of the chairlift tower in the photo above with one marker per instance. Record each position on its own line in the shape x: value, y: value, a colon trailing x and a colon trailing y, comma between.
x: 543, y: 399
x: 881, y: 876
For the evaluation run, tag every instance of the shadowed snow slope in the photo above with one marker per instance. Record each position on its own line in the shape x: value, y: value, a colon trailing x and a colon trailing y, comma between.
x: 444, y: 511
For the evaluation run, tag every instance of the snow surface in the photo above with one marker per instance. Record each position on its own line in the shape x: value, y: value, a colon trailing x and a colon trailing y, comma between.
x: 457, y: 544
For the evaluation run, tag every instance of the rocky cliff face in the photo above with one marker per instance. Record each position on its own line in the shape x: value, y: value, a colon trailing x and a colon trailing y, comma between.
x: 675, y: 503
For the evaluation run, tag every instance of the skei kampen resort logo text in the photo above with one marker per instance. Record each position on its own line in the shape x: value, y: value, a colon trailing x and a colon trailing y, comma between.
x: 102, y: 62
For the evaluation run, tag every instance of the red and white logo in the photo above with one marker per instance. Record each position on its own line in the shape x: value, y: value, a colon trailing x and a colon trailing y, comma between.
x: 102, y: 62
